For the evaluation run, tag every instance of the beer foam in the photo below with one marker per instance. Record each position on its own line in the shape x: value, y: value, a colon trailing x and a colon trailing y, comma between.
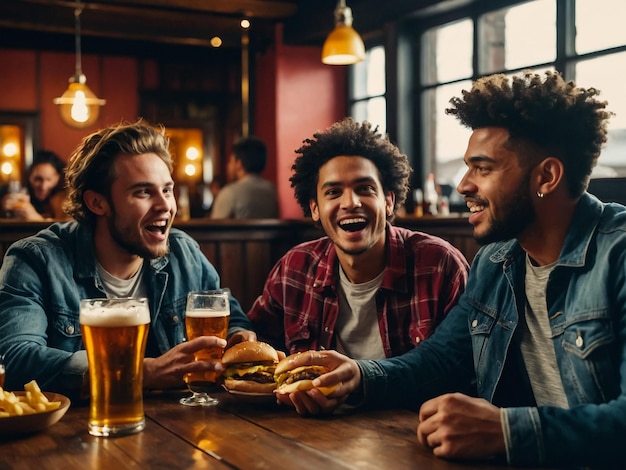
x: 207, y: 313
x: 131, y: 315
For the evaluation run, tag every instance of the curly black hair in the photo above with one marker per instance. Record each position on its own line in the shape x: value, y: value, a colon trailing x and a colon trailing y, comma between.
x: 348, y: 137
x: 552, y: 115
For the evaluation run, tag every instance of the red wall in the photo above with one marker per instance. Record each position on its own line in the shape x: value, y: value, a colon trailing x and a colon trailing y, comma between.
x: 297, y: 96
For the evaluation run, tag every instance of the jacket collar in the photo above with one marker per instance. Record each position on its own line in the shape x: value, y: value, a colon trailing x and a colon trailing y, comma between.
x: 582, y: 227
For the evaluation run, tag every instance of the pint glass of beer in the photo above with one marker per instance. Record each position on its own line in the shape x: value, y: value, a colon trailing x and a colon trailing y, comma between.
x: 207, y: 314
x: 115, y: 332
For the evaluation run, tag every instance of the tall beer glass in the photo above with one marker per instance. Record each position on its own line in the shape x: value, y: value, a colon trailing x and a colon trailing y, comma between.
x: 207, y: 314
x: 115, y: 332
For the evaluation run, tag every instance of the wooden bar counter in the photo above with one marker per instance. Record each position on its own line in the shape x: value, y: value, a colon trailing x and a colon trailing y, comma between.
x: 237, y: 433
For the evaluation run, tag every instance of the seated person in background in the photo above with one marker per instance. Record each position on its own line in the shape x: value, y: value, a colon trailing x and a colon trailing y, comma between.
x: 121, y: 244
x: 249, y: 196
x: 46, y: 194
x: 368, y: 289
x: 541, y: 327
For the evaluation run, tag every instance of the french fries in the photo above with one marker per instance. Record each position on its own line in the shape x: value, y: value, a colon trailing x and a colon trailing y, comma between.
x: 33, y: 401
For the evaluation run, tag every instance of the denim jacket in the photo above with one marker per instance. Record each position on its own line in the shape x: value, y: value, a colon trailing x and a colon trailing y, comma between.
x: 586, y: 299
x: 44, y: 277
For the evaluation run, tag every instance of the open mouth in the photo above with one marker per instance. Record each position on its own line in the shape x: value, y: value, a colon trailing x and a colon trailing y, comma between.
x: 353, y: 225
x: 158, y: 227
x: 475, y: 207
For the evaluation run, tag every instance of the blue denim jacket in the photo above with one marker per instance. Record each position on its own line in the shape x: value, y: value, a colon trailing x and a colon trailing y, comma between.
x: 44, y: 277
x: 586, y: 298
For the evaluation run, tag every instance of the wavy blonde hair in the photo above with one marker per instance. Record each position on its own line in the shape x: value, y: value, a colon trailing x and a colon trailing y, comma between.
x: 92, y: 165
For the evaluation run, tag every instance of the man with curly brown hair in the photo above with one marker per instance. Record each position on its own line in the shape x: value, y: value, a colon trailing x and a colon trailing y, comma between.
x: 541, y: 327
x: 367, y: 289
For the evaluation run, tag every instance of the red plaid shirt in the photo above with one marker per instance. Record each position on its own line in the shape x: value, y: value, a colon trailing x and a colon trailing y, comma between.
x: 423, y: 279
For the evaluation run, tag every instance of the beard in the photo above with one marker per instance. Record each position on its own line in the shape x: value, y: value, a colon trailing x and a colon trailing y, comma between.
x: 131, y: 242
x: 518, y: 212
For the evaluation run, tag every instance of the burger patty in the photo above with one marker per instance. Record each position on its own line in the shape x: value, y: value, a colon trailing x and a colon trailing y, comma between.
x: 302, y: 375
x: 259, y: 376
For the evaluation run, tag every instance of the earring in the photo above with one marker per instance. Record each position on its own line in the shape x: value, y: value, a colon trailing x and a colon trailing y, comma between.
x: 539, y: 195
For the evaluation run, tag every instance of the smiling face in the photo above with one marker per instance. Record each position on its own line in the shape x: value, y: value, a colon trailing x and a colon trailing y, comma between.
x: 495, y: 187
x: 142, y: 205
x: 43, y: 179
x: 351, y: 205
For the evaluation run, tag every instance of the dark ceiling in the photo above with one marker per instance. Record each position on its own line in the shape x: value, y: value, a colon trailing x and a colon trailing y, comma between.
x: 154, y: 26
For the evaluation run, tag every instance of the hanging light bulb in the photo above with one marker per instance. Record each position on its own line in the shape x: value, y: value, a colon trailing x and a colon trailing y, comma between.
x: 79, y: 106
x: 343, y: 46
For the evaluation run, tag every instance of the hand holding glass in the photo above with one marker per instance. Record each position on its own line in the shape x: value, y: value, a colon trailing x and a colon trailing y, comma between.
x: 115, y: 333
x: 207, y: 314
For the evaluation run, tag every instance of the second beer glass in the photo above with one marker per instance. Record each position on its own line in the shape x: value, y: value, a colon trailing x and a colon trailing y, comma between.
x: 207, y: 314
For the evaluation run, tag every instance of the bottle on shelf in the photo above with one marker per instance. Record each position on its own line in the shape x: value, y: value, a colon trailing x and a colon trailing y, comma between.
x: 418, y: 198
x: 431, y: 196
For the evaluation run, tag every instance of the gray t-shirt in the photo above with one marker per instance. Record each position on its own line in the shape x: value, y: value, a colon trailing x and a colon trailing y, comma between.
x: 537, y: 344
x: 250, y: 197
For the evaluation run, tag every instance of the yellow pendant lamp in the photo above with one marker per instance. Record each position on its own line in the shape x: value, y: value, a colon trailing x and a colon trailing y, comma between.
x: 79, y: 106
x: 343, y: 46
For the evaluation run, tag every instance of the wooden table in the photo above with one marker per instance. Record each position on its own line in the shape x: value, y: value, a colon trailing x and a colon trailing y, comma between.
x: 235, y: 434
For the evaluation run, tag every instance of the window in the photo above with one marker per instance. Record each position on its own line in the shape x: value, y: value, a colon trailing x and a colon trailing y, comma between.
x: 367, y: 89
x: 583, y: 39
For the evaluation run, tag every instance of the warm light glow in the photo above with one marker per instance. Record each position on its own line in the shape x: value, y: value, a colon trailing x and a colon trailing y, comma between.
x: 190, y: 169
x: 192, y: 153
x: 245, y: 23
x: 79, y: 107
x: 80, y: 112
x: 343, y: 46
x: 7, y: 168
x: 10, y: 149
x: 216, y: 41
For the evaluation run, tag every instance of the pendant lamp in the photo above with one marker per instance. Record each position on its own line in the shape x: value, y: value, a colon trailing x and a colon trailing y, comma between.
x: 343, y: 46
x: 79, y: 107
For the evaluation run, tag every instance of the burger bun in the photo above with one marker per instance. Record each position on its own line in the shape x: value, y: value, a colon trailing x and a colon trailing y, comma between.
x: 303, y: 386
x: 249, y: 351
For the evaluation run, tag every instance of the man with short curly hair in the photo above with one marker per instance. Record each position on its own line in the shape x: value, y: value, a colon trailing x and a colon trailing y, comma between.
x: 368, y: 289
x: 541, y: 327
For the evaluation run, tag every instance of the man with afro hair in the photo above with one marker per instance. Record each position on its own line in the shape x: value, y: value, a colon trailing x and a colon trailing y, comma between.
x: 541, y: 327
x: 368, y: 289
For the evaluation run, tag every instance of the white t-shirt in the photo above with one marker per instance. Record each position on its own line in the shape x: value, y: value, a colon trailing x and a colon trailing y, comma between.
x: 357, y: 331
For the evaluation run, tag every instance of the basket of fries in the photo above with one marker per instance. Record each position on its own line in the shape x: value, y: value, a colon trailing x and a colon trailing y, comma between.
x: 31, y: 410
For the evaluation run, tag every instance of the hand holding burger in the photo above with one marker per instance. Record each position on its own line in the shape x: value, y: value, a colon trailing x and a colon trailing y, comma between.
x: 290, y: 379
x: 249, y: 367
x: 342, y: 378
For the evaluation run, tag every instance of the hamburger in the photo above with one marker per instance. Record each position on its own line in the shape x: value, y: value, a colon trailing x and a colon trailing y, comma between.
x: 299, y: 379
x: 249, y: 367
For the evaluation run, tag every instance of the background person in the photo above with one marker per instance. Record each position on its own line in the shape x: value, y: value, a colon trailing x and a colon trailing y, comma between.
x: 248, y: 195
x: 121, y: 244
x: 541, y: 326
x: 368, y: 289
x: 45, y: 194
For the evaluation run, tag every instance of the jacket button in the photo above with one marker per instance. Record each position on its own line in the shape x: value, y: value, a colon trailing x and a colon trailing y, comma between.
x: 579, y: 341
x: 316, y: 284
x: 474, y: 323
x: 175, y: 318
x: 70, y: 330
